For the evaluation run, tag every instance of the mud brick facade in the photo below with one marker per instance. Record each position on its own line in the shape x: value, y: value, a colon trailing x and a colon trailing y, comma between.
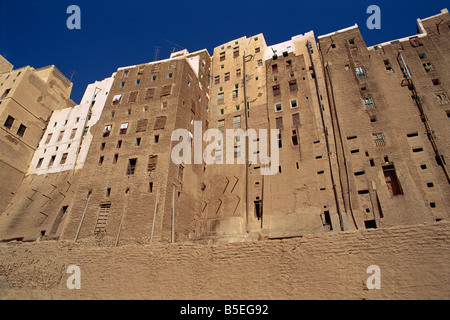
x: 362, y: 143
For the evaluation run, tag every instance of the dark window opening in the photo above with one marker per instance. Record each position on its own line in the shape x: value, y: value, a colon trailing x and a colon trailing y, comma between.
x: 131, y: 166
x: 21, y: 130
x: 9, y: 122
x: 363, y: 191
x: 370, y: 224
x: 258, y: 208
x: 392, y: 181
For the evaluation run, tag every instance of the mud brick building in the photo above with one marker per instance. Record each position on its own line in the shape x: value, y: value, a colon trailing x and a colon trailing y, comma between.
x: 362, y: 143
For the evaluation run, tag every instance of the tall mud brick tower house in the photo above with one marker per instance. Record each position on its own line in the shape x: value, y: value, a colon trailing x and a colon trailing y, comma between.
x: 357, y: 138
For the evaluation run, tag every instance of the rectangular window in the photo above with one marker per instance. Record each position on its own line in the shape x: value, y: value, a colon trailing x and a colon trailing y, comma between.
x: 276, y: 90
x: 21, y: 130
x: 133, y: 96
x: 288, y: 64
x: 63, y: 158
x: 368, y: 102
x: 379, y: 140
x: 149, y: 93
x: 9, y: 122
x: 39, y: 164
x: 141, y: 70
x: 216, y: 79
x: 52, y: 161
x: 100, y: 225
x: 106, y: 131
x: 142, y: 125
x: 294, y: 138
x: 160, y: 123
x: 278, y: 107
x: 235, y: 93
x: 5, y: 94
x: 117, y: 98
x: 60, y: 136
x: 293, y: 103
x: 237, y: 122
x: 49, y: 137
x: 166, y: 90
x: 73, y: 133
x: 293, y: 85
x: 227, y: 76
x: 274, y: 68
x: 279, y: 122
x: 360, y: 72
x: 235, y: 52
x: 222, y: 56
x: 131, y: 166
x: 123, y: 128
x: 295, y: 119
x: 152, y: 161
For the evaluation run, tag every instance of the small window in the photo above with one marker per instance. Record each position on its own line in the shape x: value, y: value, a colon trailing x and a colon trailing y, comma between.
x: 360, y: 72
x: 276, y: 90
x: 279, y: 122
x: 422, y: 55
x: 274, y: 68
x: 63, y: 158
x: 379, y: 139
x: 21, y: 130
x: 152, y: 161
x: 39, y: 164
x: 9, y: 122
x: 123, y: 128
x: 293, y: 103
x: 293, y: 85
x: 351, y: 41
x: 368, y: 102
x: 131, y: 166
x: 227, y: 76
x: 106, y: 131
x: 156, y: 138
x: 52, y: 161
x: 117, y: 98
x: 160, y: 123
x: 138, y: 81
x: 138, y: 142
x: 288, y: 64
x: 435, y: 82
x: 278, y: 107
x: 295, y: 119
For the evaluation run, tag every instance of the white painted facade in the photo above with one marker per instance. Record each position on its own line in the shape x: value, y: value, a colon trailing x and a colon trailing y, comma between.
x: 65, y: 143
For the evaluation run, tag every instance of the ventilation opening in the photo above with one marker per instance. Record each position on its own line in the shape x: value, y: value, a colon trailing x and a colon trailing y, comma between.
x: 363, y: 191
x: 359, y: 173
x: 417, y: 149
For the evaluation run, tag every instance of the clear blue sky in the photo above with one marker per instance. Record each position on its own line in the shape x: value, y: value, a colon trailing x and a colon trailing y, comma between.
x: 120, y: 33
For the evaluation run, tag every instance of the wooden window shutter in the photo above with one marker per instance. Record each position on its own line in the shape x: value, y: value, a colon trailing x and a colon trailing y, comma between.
x: 149, y: 93
x: 133, y: 96
x: 160, y: 123
x: 276, y: 90
x: 142, y: 125
x: 166, y: 90
x: 279, y: 122
x: 296, y: 119
x: 152, y: 161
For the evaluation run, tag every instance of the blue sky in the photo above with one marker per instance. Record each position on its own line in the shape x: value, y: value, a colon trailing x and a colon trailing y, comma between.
x: 120, y: 33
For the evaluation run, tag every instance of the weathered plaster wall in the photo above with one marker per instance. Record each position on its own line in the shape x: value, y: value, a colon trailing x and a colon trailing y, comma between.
x: 414, y: 264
